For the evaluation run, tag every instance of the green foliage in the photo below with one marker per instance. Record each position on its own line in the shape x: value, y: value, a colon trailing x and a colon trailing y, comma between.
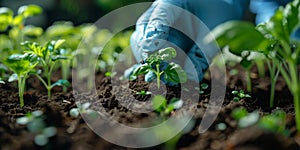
x: 239, y: 95
x: 239, y: 113
x: 18, y: 29
x: 110, y: 74
x: 161, y: 106
x: 47, y: 56
x: 21, y: 65
x: 272, y: 38
x: 203, y: 86
x: 35, y: 123
x: 143, y: 93
x: 274, y: 122
x: 172, y: 73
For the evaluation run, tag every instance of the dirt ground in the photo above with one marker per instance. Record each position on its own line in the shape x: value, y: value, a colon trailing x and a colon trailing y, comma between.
x: 74, y: 133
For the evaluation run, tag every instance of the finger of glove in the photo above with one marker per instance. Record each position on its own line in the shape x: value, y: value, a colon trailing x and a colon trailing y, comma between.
x: 196, y: 67
x: 157, y: 30
x: 150, y: 76
x: 128, y: 72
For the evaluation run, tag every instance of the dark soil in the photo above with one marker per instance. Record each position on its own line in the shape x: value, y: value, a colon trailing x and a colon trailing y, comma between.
x: 74, y: 133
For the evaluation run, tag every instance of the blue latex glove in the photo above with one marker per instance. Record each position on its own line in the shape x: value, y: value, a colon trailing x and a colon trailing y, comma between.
x: 153, y: 29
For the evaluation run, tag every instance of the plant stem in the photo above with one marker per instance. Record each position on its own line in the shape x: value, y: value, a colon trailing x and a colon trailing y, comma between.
x: 296, y: 95
x: 21, y: 91
x: 65, y: 72
x: 273, y: 75
x: 158, y: 76
x: 248, y: 80
x: 260, y: 67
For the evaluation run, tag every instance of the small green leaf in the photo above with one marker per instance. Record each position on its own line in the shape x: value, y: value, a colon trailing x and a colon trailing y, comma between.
x: 167, y: 54
x: 249, y: 120
x: 174, y: 73
x: 239, y: 113
x: 13, y: 77
x: 29, y: 10
x: 142, y: 69
x: 239, y: 36
x: 6, y: 16
x: 32, y: 31
x: 236, y: 99
x: 20, y: 63
x: 6, y: 11
x: 18, y: 20
x: 64, y: 83
x: 234, y: 92
x: 159, y: 103
x: 204, y: 86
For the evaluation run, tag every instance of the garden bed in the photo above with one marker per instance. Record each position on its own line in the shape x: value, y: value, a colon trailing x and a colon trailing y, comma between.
x: 73, y: 133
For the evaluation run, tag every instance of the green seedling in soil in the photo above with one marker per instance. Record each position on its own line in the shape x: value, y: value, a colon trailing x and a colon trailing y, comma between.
x: 239, y: 95
x: 22, y: 65
x: 244, y: 118
x: 83, y: 109
x: 143, y: 93
x: 272, y: 38
x: 171, y: 73
x: 274, y: 122
x: 17, y: 23
x: 110, y: 74
x: 47, y: 56
x: 203, y: 86
x: 35, y: 123
x: 161, y: 106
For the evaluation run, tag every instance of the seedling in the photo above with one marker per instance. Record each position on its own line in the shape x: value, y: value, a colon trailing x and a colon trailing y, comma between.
x: 239, y: 95
x: 143, y: 93
x: 17, y: 22
x: 157, y: 63
x: 272, y: 38
x: 203, y: 86
x: 47, y: 56
x: 244, y: 118
x: 83, y: 109
x: 34, y: 122
x: 21, y: 65
x: 110, y: 74
x: 274, y: 122
x: 161, y: 106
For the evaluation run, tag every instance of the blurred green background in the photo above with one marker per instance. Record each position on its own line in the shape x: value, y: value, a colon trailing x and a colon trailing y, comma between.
x: 77, y: 11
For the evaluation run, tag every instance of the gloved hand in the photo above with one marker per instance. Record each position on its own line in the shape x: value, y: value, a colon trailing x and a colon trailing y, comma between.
x: 154, y: 30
